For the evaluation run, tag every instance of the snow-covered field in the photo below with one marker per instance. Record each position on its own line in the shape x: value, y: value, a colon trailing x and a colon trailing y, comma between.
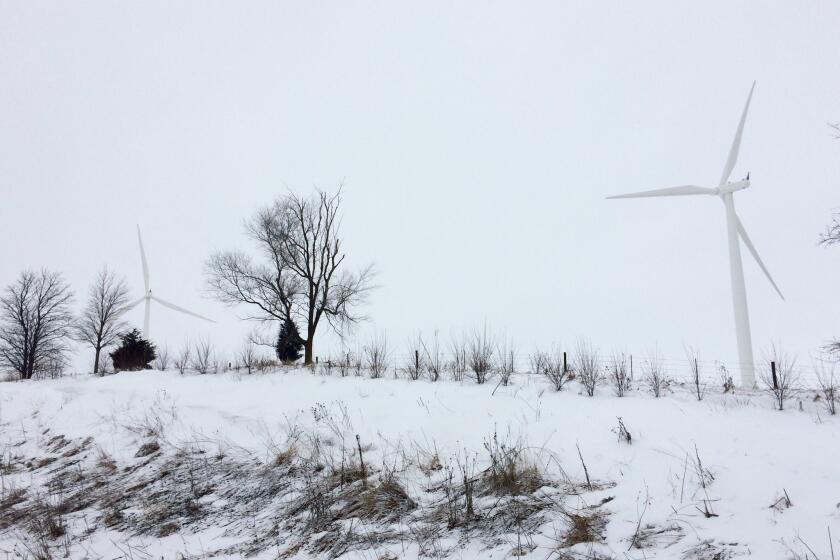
x: 267, y: 466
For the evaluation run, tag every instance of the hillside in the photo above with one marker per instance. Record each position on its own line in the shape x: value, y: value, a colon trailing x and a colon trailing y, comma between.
x: 291, y: 464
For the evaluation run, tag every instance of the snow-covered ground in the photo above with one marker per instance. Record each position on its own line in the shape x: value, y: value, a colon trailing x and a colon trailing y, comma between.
x: 269, y: 465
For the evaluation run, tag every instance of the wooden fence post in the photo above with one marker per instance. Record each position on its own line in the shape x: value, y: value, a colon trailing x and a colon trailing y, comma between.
x: 775, y: 379
x: 417, y: 361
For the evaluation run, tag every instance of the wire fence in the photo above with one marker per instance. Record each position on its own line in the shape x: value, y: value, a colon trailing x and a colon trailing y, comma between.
x: 709, y: 372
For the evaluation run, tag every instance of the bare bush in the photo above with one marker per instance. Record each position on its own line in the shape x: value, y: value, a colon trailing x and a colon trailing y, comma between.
x: 727, y: 384
x: 162, y: 359
x: 184, y: 359
x: 376, y: 356
x: 654, y: 374
x: 458, y: 364
x: 588, y: 366
x: 36, y: 322
x: 432, y: 358
x: 697, y: 382
x: 204, y: 359
x: 413, y: 368
x: 538, y: 361
x: 619, y: 373
x: 481, y: 348
x: 506, y: 353
x: 829, y: 390
x: 553, y: 367
x: 779, y: 377
x: 247, y: 356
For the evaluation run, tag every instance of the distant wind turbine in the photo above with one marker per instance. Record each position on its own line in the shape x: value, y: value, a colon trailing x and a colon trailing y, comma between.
x: 734, y: 228
x: 148, y: 297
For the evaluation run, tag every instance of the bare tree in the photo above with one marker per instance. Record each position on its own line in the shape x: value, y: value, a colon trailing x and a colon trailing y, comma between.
x: 100, y: 323
x: 303, y: 279
x: 36, y: 322
x: 588, y: 366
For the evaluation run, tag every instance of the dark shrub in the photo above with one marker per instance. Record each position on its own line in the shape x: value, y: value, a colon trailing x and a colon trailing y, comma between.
x: 289, y: 343
x: 135, y: 353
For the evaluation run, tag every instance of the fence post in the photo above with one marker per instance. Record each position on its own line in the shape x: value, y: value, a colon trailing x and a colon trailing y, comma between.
x: 631, y: 366
x: 565, y: 365
x: 775, y: 379
x: 417, y: 361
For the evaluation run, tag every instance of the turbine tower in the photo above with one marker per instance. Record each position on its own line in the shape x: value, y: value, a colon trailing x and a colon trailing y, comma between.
x: 734, y: 229
x: 148, y: 297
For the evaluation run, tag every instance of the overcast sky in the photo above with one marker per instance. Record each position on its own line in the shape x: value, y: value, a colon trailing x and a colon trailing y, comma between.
x: 476, y: 142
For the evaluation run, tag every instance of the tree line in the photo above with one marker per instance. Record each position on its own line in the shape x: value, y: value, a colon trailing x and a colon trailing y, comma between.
x: 298, y: 276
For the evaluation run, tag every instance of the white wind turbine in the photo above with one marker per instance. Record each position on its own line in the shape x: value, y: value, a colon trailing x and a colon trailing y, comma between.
x: 734, y: 228
x: 148, y: 297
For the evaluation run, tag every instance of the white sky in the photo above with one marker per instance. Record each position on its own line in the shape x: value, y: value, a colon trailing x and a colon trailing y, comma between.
x: 477, y: 142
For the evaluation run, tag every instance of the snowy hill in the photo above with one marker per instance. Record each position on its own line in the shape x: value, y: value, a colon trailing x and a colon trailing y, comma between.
x: 291, y: 464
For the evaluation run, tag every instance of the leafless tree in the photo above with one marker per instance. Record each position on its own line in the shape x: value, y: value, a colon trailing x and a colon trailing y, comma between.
x: 303, y: 278
x: 779, y: 376
x: 588, y: 366
x: 481, y: 347
x: 100, y: 323
x: 35, y: 322
x: 162, y: 359
x: 654, y: 374
x: 376, y: 356
x: 836, y: 129
x: 620, y: 375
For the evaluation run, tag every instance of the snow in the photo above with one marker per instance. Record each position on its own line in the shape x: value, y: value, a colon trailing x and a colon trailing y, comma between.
x: 754, y: 453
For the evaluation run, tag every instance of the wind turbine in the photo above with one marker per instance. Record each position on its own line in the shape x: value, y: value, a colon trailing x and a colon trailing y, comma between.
x: 734, y: 229
x: 148, y: 297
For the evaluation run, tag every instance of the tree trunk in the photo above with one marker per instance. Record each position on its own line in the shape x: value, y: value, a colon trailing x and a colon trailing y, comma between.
x: 307, y: 352
x: 96, y: 361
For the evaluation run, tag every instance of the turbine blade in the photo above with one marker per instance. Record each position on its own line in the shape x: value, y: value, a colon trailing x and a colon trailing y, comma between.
x: 743, y: 233
x: 133, y: 304
x: 736, y: 142
x: 683, y: 190
x: 143, y: 259
x: 181, y: 309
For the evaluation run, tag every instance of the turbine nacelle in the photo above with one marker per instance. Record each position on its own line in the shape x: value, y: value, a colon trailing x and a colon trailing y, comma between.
x: 733, y: 187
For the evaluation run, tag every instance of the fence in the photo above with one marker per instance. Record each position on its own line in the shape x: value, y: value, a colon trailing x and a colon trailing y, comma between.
x: 710, y: 372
